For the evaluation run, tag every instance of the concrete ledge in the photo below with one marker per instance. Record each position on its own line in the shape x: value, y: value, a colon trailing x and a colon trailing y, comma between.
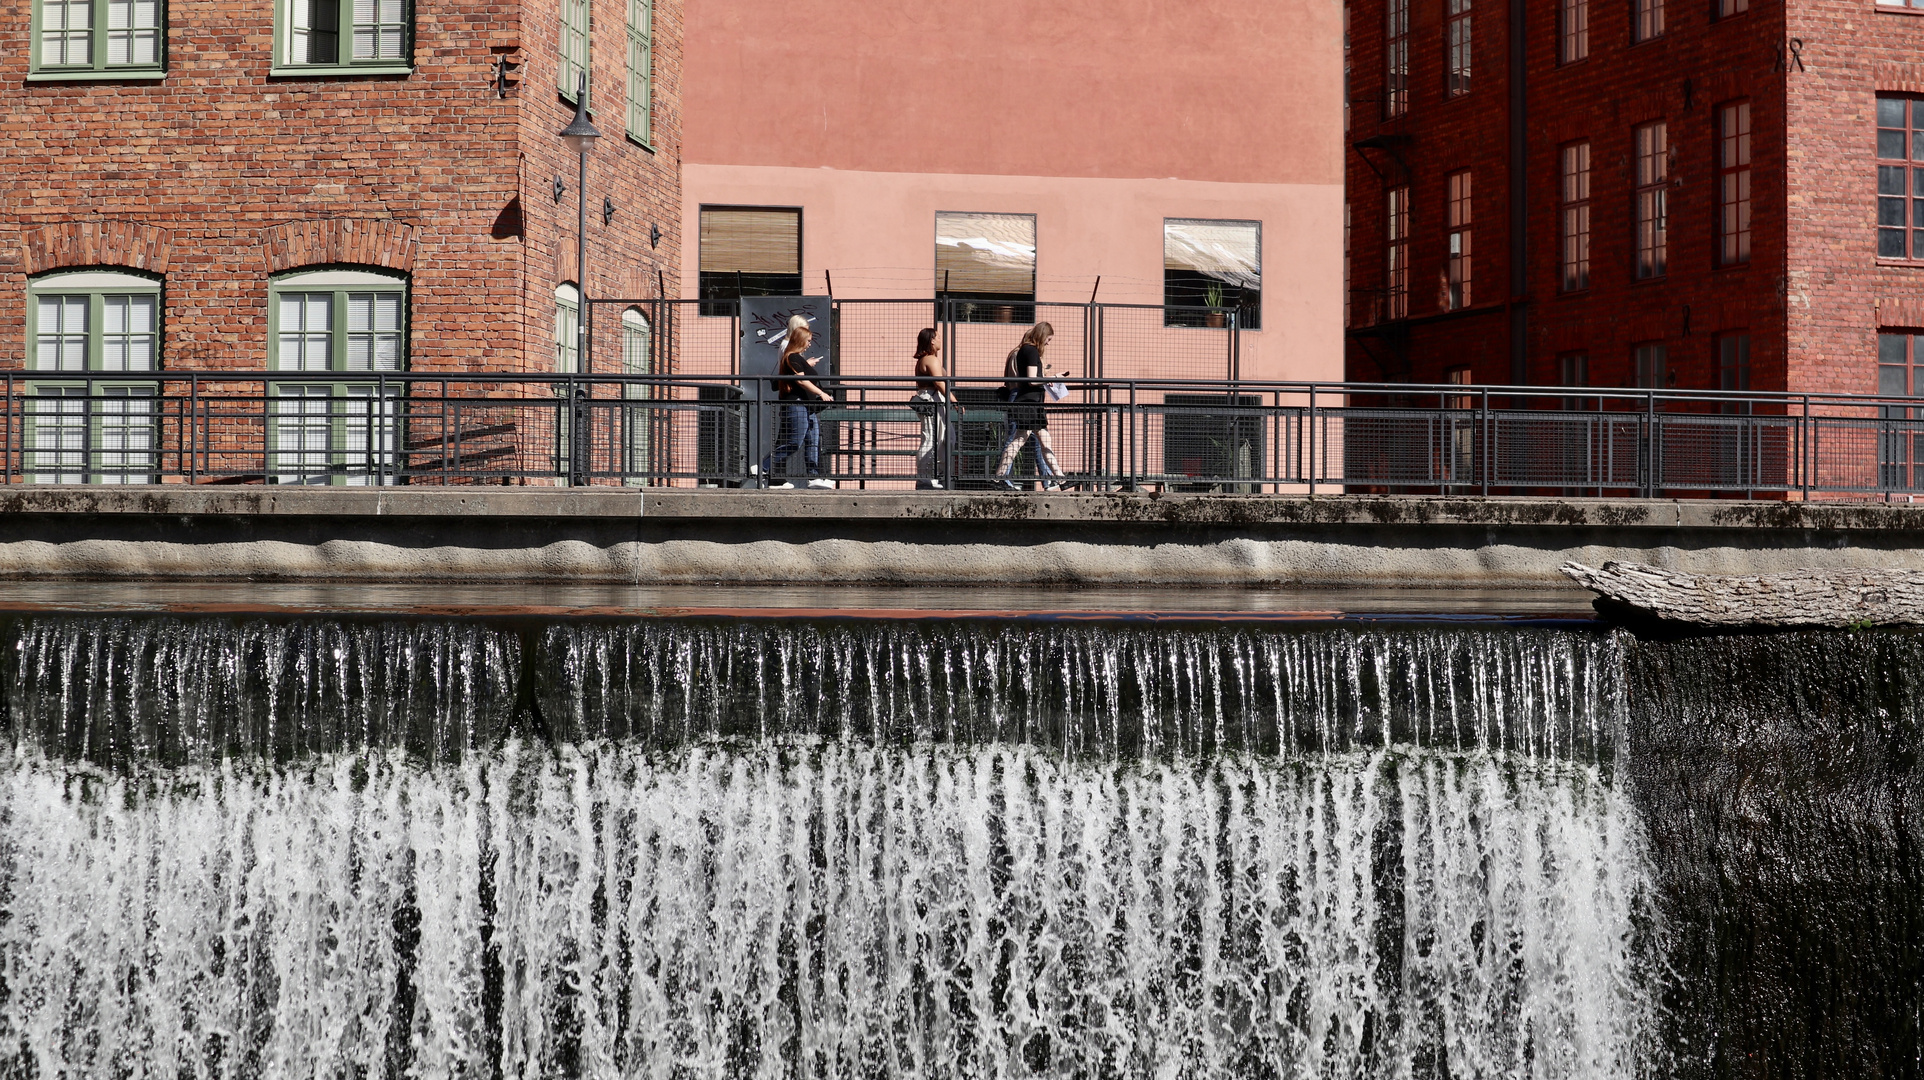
x: 617, y: 535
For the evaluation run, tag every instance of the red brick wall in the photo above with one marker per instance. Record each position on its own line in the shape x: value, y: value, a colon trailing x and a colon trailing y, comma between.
x: 1679, y: 78
x: 219, y: 175
x: 1838, y: 293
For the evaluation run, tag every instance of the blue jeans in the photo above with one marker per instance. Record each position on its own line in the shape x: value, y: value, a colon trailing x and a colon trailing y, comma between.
x: 801, y: 430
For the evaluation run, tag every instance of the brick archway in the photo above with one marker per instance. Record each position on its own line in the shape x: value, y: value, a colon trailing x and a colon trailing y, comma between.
x: 360, y: 241
x: 96, y: 243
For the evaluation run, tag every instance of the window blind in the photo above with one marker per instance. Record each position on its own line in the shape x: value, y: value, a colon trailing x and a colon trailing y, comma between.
x: 1229, y: 251
x: 985, y: 253
x: 751, y: 241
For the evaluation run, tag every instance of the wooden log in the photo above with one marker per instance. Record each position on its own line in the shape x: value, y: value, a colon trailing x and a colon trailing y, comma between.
x: 1837, y: 598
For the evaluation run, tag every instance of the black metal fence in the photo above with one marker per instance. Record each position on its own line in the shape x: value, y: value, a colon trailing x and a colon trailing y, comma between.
x: 1105, y: 433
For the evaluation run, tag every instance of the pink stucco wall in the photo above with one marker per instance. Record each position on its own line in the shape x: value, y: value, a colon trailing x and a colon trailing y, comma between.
x: 875, y: 234
x: 1101, y: 117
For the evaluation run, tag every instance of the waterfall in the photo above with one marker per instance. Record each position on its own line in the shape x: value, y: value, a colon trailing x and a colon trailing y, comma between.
x: 824, y: 909
x: 241, y: 848
x: 117, y: 691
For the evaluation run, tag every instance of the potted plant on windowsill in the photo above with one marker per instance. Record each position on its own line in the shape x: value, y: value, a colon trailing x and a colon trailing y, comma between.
x: 1213, y: 299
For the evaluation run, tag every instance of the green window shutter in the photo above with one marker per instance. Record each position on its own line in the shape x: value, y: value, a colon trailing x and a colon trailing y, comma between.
x: 641, y: 70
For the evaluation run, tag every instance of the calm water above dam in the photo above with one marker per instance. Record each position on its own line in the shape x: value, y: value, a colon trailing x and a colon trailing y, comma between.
x: 336, y: 846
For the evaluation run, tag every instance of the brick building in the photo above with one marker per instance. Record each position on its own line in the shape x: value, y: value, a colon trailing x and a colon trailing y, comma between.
x: 1656, y: 193
x: 321, y: 185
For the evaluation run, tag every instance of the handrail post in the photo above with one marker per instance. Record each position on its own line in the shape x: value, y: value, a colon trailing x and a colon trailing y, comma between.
x: 1310, y: 452
x: 1484, y: 440
x: 1807, y: 452
x: 1650, y: 445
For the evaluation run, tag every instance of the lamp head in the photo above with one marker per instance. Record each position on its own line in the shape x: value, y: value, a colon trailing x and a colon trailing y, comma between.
x: 581, y: 134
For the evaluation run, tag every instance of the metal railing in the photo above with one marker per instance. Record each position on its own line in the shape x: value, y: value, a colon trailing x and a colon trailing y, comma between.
x: 1108, y: 434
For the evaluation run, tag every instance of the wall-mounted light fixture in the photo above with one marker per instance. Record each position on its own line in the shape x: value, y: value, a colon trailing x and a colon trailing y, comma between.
x: 654, y: 235
x: 560, y: 187
x: 607, y: 209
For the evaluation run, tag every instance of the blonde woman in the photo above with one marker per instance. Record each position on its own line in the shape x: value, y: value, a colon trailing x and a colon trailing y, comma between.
x: 1023, y: 376
x: 800, y: 398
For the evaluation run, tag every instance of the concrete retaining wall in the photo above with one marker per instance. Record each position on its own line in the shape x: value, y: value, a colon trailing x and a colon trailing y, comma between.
x: 680, y: 536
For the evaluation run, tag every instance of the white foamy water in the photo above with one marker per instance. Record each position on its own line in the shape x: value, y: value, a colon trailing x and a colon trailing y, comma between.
x: 822, y: 909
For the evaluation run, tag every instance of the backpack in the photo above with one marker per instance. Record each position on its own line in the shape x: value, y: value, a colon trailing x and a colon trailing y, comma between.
x: 1009, y: 391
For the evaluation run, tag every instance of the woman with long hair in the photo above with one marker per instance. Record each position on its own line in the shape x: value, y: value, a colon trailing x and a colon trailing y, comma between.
x: 931, y: 403
x: 800, y: 428
x: 1023, y: 375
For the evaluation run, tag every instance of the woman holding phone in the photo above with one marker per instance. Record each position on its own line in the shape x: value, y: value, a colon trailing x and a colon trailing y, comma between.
x: 800, y: 398
x: 1023, y: 377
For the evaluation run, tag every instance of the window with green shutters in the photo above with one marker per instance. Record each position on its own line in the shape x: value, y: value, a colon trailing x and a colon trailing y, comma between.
x: 98, y: 430
x: 637, y: 358
x: 641, y: 70
x: 572, y: 71
x: 93, y: 39
x: 343, y: 329
x: 344, y: 36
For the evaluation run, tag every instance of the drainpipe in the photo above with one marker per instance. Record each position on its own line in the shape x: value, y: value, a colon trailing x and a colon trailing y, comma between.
x: 1519, y: 209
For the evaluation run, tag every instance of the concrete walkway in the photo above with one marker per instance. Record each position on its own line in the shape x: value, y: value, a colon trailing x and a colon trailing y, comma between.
x: 663, y: 536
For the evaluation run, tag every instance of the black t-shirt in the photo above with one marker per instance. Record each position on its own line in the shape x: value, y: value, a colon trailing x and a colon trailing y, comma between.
x: 1024, y: 373
x: 790, y: 389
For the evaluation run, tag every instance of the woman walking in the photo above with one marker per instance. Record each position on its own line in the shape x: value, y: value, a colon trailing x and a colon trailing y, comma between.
x: 1023, y: 376
x: 800, y: 398
x: 931, y: 403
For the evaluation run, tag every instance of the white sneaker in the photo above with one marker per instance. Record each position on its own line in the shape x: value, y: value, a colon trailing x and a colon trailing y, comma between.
x: 929, y: 485
x: 783, y: 486
x: 821, y: 482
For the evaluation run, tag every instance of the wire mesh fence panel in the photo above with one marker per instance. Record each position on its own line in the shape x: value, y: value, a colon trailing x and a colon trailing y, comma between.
x: 704, y: 338
x: 1408, y: 448
x: 878, y: 337
x: 981, y: 349
x: 1132, y: 342
x: 1723, y: 453
x: 1850, y: 454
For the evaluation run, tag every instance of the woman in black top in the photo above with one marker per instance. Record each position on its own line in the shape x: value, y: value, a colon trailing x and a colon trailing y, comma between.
x: 800, y: 397
x: 1023, y: 375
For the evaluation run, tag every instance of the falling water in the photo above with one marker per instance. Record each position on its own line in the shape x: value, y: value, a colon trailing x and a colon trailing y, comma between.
x: 179, y: 691
x: 240, y: 849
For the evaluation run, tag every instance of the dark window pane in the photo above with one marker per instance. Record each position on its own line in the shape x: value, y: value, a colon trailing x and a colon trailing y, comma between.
x: 1890, y: 212
x: 1890, y: 145
x: 1917, y: 182
x: 1890, y: 112
x: 1917, y: 142
x: 1890, y: 348
x: 1890, y: 179
x: 1917, y: 213
x: 1890, y: 243
x: 1890, y: 380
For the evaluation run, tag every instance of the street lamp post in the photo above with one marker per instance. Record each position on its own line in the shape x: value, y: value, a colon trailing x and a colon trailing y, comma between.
x: 580, y: 135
